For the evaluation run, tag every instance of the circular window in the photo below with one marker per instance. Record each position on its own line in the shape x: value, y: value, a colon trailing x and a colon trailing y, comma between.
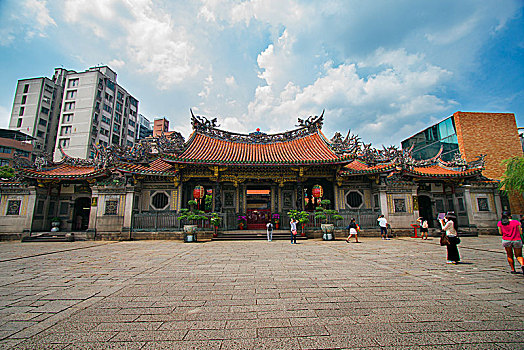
x: 354, y: 199
x: 160, y: 200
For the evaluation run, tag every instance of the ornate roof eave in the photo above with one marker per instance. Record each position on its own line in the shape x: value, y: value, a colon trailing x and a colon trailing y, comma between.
x: 201, y: 125
x: 27, y: 173
x: 177, y: 160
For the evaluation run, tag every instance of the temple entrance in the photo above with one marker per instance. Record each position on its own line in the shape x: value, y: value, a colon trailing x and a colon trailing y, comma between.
x: 425, y: 210
x: 258, y: 208
x: 81, y: 213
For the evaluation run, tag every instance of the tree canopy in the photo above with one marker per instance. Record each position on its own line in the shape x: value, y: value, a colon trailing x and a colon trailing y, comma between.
x: 513, y: 178
x: 6, y: 172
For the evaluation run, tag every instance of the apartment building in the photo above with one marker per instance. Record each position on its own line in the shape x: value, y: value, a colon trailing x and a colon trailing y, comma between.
x: 36, y: 109
x: 14, y: 144
x: 95, y: 110
x: 160, y: 126
x: 75, y: 110
x: 144, y: 127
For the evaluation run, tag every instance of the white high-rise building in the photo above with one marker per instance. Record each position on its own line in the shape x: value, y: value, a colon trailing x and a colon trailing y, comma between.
x: 95, y: 110
x: 36, y: 109
x: 75, y: 111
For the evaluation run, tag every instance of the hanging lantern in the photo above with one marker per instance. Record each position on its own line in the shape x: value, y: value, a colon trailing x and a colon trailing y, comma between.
x: 198, y: 192
x: 317, y: 191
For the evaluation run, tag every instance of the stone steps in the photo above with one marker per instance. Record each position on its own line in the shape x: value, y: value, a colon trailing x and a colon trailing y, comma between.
x: 249, y: 235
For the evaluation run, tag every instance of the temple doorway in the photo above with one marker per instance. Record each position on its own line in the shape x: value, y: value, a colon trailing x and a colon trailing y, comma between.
x: 425, y: 210
x: 81, y: 213
x: 258, y: 201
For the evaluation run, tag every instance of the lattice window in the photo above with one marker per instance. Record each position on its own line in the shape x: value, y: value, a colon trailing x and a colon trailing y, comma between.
x: 354, y: 199
x: 13, y: 207
x: 160, y: 201
x: 111, y: 207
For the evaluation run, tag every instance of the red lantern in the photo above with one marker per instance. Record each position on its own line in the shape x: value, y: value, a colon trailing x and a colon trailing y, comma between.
x: 198, y: 192
x: 317, y: 191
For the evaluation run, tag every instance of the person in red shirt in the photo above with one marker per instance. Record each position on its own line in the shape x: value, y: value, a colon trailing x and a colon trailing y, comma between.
x: 511, y: 241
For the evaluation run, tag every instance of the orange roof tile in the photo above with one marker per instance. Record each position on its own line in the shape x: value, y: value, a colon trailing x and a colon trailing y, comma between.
x: 155, y: 167
x: 64, y: 171
x: 358, y: 167
x: 304, y: 150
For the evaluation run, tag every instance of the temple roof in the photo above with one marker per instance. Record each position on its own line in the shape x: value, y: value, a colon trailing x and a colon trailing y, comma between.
x: 64, y: 171
x: 156, y: 167
x: 308, y: 149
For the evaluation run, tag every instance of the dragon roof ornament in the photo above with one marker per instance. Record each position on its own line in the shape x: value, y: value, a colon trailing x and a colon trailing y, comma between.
x: 210, y: 128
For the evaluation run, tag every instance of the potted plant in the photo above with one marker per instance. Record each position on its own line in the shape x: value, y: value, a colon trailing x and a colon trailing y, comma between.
x: 301, y: 216
x: 55, y: 224
x: 191, y: 215
x: 215, y: 220
x: 242, y: 221
x: 276, y: 220
x: 324, y: 214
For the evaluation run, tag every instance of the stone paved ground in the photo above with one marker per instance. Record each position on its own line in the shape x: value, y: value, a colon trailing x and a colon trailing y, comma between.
x: 258, y: 295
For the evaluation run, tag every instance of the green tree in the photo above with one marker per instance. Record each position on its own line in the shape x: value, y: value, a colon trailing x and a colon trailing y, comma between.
x: 513, y: 178
x: 6, y: 172
x: 324, y: 214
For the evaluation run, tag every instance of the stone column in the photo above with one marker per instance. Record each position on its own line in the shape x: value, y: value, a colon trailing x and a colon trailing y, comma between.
x: 498, y: 203
x: 93, y: 213
x: 300, y: 192
x: 128, y: 211
x: 470, y: 209
x: 383, y: 202
x: 30, y: 211
x: 218, y: 197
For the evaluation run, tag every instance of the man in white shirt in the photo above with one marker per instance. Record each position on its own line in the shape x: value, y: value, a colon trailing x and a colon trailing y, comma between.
x: 383, y: 223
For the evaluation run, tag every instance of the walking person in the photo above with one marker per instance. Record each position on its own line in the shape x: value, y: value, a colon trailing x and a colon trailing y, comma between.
x: 293, y: 225
x: 269, y: 227
x: 450, y: 226
x: 511, y: 240
x: 423, y: 227
x: 353, y: 229
x: 383, y: 223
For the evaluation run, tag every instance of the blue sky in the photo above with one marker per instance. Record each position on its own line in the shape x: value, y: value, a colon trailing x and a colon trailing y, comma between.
x: 384, y: 69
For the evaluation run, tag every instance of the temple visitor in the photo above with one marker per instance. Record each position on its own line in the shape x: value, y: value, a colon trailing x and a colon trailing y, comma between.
x: 450, y: 226
x: 511, y: 231
x: 353, y: 229
x: 423, y: 227
x: 293, y: 224
x: 383, y: 223
x: 269, y: 227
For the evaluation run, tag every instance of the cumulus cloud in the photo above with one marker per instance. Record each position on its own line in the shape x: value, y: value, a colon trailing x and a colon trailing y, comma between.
x: 401, y: 89
x: 152, y: 41
x: 116, y: 63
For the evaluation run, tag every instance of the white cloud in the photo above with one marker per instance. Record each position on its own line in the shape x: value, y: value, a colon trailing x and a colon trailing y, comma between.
x: 230, y: 81
x: 116, y: 63
x: 400, y: 90
x: 152, y: 41
x: 38, y: 10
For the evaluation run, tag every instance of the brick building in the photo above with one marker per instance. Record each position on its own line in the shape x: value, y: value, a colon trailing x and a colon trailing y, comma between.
x: 13, y: 144
x: 471, y: 134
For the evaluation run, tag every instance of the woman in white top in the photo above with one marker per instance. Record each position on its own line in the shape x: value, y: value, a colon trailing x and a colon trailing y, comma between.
x: 449, y: 224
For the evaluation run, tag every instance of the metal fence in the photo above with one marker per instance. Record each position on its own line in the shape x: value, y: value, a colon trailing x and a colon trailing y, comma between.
x: 168, y: 220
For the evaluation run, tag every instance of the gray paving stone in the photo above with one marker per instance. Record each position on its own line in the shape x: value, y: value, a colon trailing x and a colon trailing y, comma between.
x: 243, y: 295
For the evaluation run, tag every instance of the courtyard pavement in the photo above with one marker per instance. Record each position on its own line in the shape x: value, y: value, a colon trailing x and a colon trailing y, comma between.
x: 259, y: 295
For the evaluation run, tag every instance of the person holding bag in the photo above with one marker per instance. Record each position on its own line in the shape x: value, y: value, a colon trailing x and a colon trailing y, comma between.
x: 353, y: 230
x: 450, y: 237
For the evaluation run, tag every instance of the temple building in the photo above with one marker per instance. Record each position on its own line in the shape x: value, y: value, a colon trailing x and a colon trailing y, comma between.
x: 137, y: 192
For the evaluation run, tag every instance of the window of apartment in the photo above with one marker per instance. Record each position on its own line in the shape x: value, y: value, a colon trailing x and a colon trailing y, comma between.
x: 24, y: 99
x: 19, y: 123
x: 107, y: 108
x: 71, y: 94
x: 73, y: 82
x: 66, y: 130
x: 119, y: 107
x: 129, y: 144
x: 26, y: 88
x: 69, y: 106
x: 133, y: 102
x: 115, y: 139
x: 23, y: 153
x: 116, y: 128
x: 109, y: 97
x: 21, y: 112
x: 97, y: 106
x: 132, y: 123
x: 95, y: 118
x: 110, y: 85
x: 44, y: 110
x: 99, y: 94
x: 133, y: 113
x: 67, y: 118
x: 105, y: 119
x: 46, y: 99
x: 48, y: 88
x: 118, y: 118
x: 42, y: 122
x: 119, y: 95
x: 40, y: 133
x: 130, y: 133
x: 64, y: 143
x: 4, y: 149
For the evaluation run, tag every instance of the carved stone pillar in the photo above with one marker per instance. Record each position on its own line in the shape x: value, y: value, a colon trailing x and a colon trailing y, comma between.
x: 300, y: 194
x: 218, y: 197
